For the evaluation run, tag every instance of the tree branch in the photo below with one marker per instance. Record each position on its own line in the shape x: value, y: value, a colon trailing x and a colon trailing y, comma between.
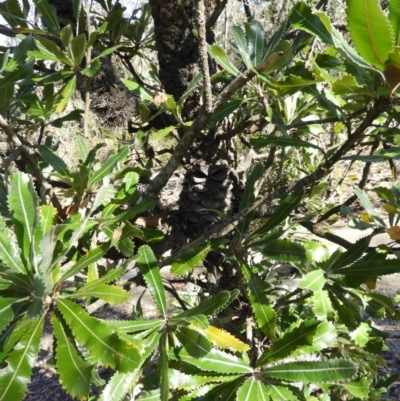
x: 216, y: 13
x: 203, y: 56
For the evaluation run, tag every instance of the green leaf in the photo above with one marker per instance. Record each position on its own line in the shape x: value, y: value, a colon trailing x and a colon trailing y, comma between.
x: 315, y: 251
x: 152, y: 276
x: 107, y: 167
x: 65, y: 94
x: 163, y: 367
x: 370, y: 31
x: 23, y: 202
x: 368, y: 206
x: 285, y: 346
x: 82, y: 147
x: 91, y: 257
x: 6, y: 311
x: 259, y: 141
x: 312, y: 371
x: 162, y: 132
x: 264, y: 313
x: 209, y: 306
x: 325, y: 336
x: 48, y: 14
x: 74, y: 372
x: 187, y: 262
x: 361, y: 387
x: 374, y: 268
x: 284, y: 209
x: 280, y: 393
x: 9, y: 251
x: 78, y: 46
x: 215, y: 361
x: 194, y: 342
x: 353, y: 253
x: 283, y: 250
x: 322, y: 305
x: 248, y: 196
x: 106, y: 346
x: 56, y: 162
x: 16, y: 374
x: 255, y: 40
x: 109, y: 293
x: 313, y: 281
x: 48, y: 214
x: 119, y: 385
x: 134, y: 326
x: 240, y: 45
x: 277, y: 59
x: 225, y: 110
x: 394, y: 19
x: 248, y: 391
x: 361, y: 334
x: 219, y: 55
x: 52, y: 52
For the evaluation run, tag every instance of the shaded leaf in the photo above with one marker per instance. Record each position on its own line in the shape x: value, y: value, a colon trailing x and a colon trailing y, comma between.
x: 194, y: 342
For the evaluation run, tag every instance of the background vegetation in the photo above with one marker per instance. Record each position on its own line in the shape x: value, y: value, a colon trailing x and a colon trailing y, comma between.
x: 172, y: 137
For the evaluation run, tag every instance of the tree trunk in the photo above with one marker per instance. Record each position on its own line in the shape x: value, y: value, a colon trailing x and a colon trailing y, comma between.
x: 210, y: 182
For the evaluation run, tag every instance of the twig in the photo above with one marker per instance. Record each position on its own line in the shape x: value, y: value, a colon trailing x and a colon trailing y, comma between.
x: 88, y: 60
x: 216, y: 13
x: 203, y: 56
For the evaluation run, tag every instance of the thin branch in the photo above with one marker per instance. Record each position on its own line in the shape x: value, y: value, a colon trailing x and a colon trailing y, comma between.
x: 203, y: 56
x: 88, y: 60
x: 216, y: 13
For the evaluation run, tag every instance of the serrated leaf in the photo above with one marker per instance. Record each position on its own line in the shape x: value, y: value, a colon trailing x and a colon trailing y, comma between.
x: 285, y: 346
x: 107, y: 167
x: 345, y: 314
x: 6, y: 311
x: 215, y: 361
x: 78, y: 46
x: 361, y: 334
x: 315, y: 251
x: 108, y: 293
x: 313, y: 281
x: 322, y: 305
x: 9, y: 251
x: 180, y: 380
x: 162, y: 132
x: 370, y: 31
x: 56, y: 162
x: 187, y: 262
x: 284, y: 209
x: 82, y: 147
x: 368, y: 206
x: 354, y: 252
x: 91, y: 257
x: 325, y: 336
x: 48, y: 213
x: 265, y: 315
x: 16, y: 375
x: 47, y: 13
x: 219, y: 55
x: 134, y: 326
x: 163, y: 367
x: 194, y: 342
x: 74, y: 372
x: 259, y: 141
x: 152, y: 276
x: 209, y: 306
x: 52, y: 52
x: 23, y: 202
x: 65, y: 94
x: 224, y: 340
x: 248, y: 196
x: 374, y: 268
x: 225, y: 110
x: 359, y: 388
x: 313, y: 371
x: 119, y: 385
x: 255, y: 40
x: 283, y: 250
x: 248, y: 391
x: 394, y: 19
x: 240, y: 45
x: 100, y: 340
x: 280, y: 393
